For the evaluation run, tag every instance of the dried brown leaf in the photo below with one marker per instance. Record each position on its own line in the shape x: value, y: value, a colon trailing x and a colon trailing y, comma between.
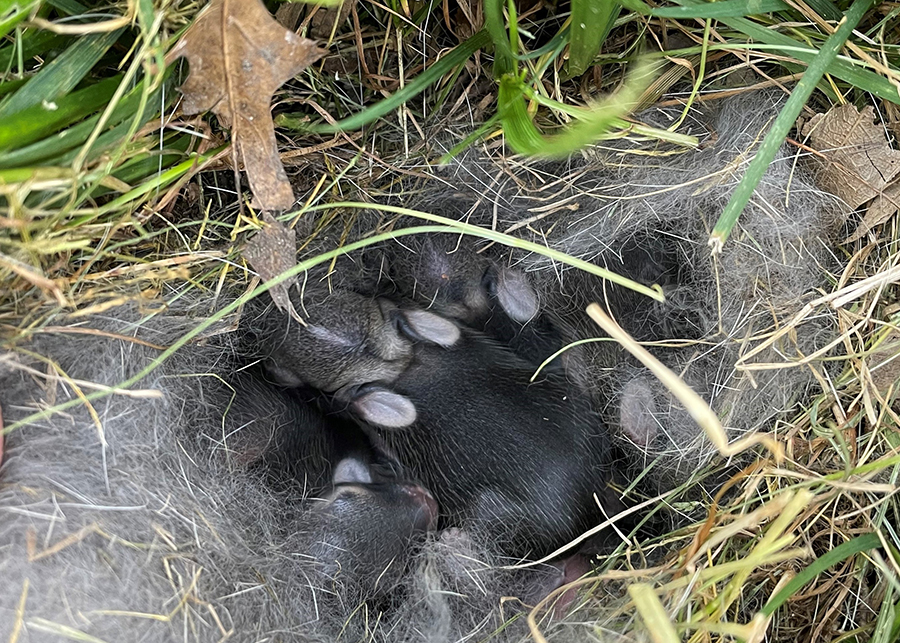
x: 272, y: 251
x: 861, y: 165
x: 323, y: 22
x: 239, y: 57
x: 884, y: 366
x: 880, y: 210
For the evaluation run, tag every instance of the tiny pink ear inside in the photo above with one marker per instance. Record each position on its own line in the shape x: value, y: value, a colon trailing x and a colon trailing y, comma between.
x: 637, y: 412
x: 428, y: 327
x: 385, y: 408
x: 351, y: 471
x: 516, y: 296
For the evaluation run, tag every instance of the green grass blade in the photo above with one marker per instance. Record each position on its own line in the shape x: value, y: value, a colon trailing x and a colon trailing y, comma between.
x: 34, y: 43
x: 48, y: 150
x: 785, y: 121
x: 12, y: 12
x: 825, y: 8
x: 69, y: 7
x: 11, y: 86
x: 61, y: 75
x: 503, y: 53
x: 32, y: 124
x: 832, y: 558
x: 861, y: 78
x: 591, y: 22
x: 420, y: 83
x: 520, y: 132
x: 715, y: 10
x: 592, y: 123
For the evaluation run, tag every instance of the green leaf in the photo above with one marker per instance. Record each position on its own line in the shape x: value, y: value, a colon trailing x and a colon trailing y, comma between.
x: 61, y: 75
x: 33, y: 43
x: 785, y: 121
x: 591, y: 22
x: 12, y: 12
x: 825, y: 8
x: 32, y: 124
x: 11, y: 86
x: 832, y: 558
x: 68, y: 7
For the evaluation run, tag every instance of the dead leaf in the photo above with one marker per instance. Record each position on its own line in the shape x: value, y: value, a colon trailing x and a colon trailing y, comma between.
x: 272, y: 251
x: 323, y: 22
x: 861, y: 164
x: 880, y: 210
x: 884, y: 365
x: 1, y: 436
x: 239, y: 57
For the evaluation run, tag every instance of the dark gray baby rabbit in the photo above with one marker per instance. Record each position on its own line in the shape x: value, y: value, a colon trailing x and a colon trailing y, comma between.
x: 520, y: 461
x: 363, y: 532
x: 365, y: 515
x: 345, y: 340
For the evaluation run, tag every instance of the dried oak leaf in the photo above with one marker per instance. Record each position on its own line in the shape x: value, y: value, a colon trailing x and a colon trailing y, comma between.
x: 325, y: 18
x: 272, y: 251
x: 239, y: 57
x: 883, y: 364
x: 861, y: 165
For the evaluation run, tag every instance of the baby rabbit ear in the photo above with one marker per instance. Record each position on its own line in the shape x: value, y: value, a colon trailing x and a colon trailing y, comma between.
x: 384, y: 408
x: 514, y: 293
x: 351, y: 471
x: 637, y: 412
x: 423, y: 326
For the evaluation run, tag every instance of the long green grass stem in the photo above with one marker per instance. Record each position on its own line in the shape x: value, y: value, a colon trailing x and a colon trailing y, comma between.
x: 784, y: 122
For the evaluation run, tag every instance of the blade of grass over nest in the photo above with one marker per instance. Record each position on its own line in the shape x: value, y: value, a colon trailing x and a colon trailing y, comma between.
x: 840, y: 553
x: 32, y: 124
x: 785, y: 121
x: 620, y: 124
x: 224, y: 312
x: 498, y: 237
x: 863, y: 79
x: 459, y: 55
x: 591, y: 22
x: 714, y: 10
x: 453, y: 227
x: 12, y: 12
x: 61, y: 75
x: 594, y: 122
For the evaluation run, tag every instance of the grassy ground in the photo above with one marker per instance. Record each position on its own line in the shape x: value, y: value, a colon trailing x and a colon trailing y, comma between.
x: 107, y: 191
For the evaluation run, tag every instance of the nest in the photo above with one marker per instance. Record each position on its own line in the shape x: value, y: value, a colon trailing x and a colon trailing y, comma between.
x: 125, y: 514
